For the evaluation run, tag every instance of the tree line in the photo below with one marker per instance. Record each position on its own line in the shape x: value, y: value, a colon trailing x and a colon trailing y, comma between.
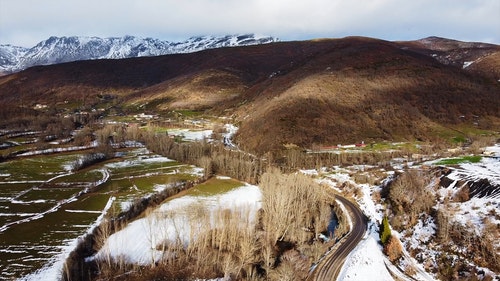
x: 278, y: 242
x: 282, y: 244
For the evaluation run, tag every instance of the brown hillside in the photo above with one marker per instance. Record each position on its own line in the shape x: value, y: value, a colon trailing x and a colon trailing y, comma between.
x: 370, y: 90
x: 311, y: 92
x: 197, y: 91
x: 150, y: 75
x: 459, y: 54
x: 487, y: 65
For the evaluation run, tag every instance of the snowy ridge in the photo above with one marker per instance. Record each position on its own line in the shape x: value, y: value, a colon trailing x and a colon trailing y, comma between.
x: 66, y: 49
x: 483, y: 178
x: 10, y: 55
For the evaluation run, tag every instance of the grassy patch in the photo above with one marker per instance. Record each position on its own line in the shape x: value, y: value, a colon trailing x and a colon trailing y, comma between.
x: 89, y: 202
x: 13, y: 189
x: 461, y: 133
x: 459, y: 139
x: 459, y: 160
x: 30, y: 208
x: 50, y: 194
x: 39, y: 168
x: 387, y: 146
x: 190, y: 113
x: 214, y: 186
x: 382, y: 146
x: 90, y: 176
x: 130, y: 188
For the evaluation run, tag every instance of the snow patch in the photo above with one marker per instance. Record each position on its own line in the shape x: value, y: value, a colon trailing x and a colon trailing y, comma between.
x: 366, y: 262
x: 138, y: 242
x: 467, y: 64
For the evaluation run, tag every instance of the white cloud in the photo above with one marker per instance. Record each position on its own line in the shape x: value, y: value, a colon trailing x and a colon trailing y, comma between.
x: 25, y: 22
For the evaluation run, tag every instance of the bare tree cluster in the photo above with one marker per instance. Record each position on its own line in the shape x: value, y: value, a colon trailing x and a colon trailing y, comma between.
x: 76, y: 266
x: 466, y: 241
x: 88, y: 160
x: 276, y: 243
x: 213, y: 158
x: 410, y: 195
x: 295, y: 208
x: 295, y: 158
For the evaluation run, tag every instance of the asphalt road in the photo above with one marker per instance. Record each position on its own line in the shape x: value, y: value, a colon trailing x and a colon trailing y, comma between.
x: 329, y: 268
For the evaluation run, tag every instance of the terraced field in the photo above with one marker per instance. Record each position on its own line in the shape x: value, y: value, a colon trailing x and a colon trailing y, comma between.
x: 45, y: 207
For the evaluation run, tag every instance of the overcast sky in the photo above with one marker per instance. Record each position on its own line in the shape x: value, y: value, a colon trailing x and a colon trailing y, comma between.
x: 27, y: 22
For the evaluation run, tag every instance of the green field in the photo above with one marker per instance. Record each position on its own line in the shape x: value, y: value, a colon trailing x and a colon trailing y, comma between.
x: 43, y: 207
x: 459, y: 160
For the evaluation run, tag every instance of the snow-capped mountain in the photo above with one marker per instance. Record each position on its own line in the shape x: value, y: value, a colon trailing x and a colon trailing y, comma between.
x: 65, y: 49
x: 10, y: 56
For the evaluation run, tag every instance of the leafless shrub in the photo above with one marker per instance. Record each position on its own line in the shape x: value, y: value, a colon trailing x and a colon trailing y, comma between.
x: 393, y: 249
x: 376, y: 197
x: 363, y: 178
x: 295, y: 262
x: 410, y: 270
x: 410, y: 195
x: 133, y: 132
x: 463, y: 194
x: 478, y: 143
x: 83, y: 137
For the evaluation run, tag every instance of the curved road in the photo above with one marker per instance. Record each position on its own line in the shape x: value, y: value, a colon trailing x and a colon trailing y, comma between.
x: 329, y: 267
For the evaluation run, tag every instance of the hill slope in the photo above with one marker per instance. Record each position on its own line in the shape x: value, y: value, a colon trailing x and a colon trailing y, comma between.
x: 310, y: 92
x: 367, y: 90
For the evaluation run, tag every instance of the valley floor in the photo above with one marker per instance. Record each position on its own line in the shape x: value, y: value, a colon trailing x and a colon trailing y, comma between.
x: 138, y: 171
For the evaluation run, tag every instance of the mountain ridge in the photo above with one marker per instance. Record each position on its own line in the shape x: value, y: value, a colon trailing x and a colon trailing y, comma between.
x: 307, y: 93
x: 74, y: 48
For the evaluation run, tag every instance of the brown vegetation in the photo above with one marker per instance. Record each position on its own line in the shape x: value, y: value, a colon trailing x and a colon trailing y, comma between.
x: 212, y: 158
x: 304, y: 93
x: 393, y: 249
x: 76, y: 267
x: 464, y: 240
x: 463, y: 247
x: 357, y: 95
x: 295, y: 208
x: 410, y: 195
x: 280, y: 245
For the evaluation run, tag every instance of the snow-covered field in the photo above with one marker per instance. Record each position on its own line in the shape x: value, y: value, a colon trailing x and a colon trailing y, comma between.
x: 205, y: 134
x: 176, y: 220
x: 191, y: 135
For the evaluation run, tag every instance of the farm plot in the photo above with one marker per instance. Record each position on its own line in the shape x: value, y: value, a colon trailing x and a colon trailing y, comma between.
x: 45, y: 206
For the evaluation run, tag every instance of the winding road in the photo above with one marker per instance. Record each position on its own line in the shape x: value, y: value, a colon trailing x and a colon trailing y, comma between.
x: 329, y: 267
